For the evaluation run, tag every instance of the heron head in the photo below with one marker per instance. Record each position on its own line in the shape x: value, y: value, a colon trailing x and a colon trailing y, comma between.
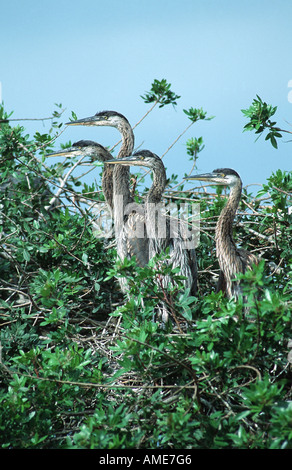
x: 221, y: 176
x: 140, y: 158
x: 82, y: 147
x: 103, y: 118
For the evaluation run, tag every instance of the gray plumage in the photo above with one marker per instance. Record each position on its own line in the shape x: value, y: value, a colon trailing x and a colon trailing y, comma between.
x: 155, y: 223
x: 232, y: 260
x: 124, y: 224
x: 121, y: 123
x: 117, y: 182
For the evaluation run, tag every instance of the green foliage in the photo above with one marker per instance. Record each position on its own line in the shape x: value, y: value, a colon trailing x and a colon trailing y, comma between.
x: 279, y: 189
x: 196, y: 114
x: 83, y: 367
x: 160, y: 93
x: 194, y: 147
x: 259, y: 115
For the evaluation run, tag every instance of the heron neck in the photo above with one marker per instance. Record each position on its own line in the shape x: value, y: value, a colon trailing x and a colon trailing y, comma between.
x: 158, y: 185
x: 122, y: 173
x: 127, y: 140
x: 107, y: 176
x: 225, y: 244
x: 107, y: 184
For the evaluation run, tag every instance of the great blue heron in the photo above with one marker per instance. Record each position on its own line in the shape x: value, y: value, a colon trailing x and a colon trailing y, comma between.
x: 232, y: 260
x: 127, y: 245
x: 157, y: 227
x: 125, y: 219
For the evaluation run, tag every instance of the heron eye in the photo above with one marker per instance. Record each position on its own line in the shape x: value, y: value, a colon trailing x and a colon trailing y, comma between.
x: 105, y: 118
x: 223, y: 175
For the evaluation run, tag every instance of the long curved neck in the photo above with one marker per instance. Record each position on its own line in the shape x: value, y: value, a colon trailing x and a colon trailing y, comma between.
x: 121, y: 180
x: 127, y: 139
x: 102, y: 155
x: 107, y: 180
x: 159, y: 182
x: 121, y: 176
x: 225, y: 245
x: 226, y: 218
x: 155, y: 222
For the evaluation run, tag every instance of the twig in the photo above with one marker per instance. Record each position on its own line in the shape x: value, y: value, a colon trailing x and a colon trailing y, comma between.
x: 32, y: 119
x: 282, y: 191
x: 137, y: 123
x: 63, y: 182
x: 175, y: 141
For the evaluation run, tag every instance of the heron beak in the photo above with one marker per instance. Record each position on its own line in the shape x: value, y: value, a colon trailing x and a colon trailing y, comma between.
x: 213, y: 178
x: 69, y: 152
x: 124, y: 161
x: 89, y: 121
x: 202, y: 177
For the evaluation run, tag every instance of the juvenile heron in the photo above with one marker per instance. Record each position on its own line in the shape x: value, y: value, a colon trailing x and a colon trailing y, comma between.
x: 232, y: 260
x: 127, y: 246
x: 154, y: 223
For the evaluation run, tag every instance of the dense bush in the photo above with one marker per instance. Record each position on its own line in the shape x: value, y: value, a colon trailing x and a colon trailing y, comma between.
x: 84, y: 367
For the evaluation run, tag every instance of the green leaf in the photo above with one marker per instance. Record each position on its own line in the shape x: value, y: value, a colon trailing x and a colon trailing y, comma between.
x: 274, y: 142
x: 26, y: 255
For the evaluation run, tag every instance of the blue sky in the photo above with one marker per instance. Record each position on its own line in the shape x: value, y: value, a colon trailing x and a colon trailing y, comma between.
x: 97, y: 55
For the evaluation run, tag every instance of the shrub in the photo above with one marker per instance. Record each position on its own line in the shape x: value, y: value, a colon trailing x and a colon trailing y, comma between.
x: 84, y: 367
